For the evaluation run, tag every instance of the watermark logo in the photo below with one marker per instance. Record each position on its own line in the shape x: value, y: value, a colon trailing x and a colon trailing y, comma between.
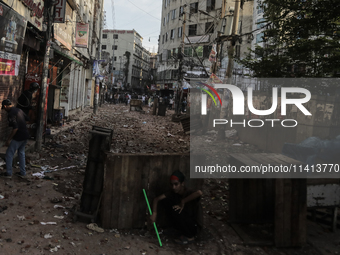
x: 204, y: 97
x: 238, y: 100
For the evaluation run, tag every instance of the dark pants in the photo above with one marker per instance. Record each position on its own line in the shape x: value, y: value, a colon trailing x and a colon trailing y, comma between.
x: 183, y: 222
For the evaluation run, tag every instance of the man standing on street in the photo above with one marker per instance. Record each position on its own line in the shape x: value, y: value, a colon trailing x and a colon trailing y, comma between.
x: 17, y: 139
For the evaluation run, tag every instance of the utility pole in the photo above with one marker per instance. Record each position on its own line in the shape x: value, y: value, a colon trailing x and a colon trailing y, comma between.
x: 183, y: 29
x: 180, y: 66
x: 233, y: 33
x: 113, y: 55
x: 221, y: 129
x: 219, y: 33
x: 41, y: 109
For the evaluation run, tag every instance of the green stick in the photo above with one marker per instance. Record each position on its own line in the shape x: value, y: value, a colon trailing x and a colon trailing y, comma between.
x: 154, y: 224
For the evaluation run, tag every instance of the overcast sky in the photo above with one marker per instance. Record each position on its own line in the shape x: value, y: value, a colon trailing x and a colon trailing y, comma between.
x: 144, y: 16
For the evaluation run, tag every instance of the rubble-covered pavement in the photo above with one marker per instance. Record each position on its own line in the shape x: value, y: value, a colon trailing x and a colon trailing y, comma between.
x: 36, y: 214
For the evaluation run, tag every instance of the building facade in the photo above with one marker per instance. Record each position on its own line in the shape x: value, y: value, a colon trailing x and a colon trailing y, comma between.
x: 130, y: 58
x: 185, y: 27
x: 20, y: 50
x: 78, y: 82
x: 23, y: 46
x: 194, y: 27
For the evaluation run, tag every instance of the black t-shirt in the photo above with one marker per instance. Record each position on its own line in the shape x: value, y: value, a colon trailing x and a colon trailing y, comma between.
x: 17, y: 120
x: 193, y: 208
x: 24, y: 101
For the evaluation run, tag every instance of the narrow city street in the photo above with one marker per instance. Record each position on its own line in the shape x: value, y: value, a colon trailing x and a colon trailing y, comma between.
x: 36, y: 214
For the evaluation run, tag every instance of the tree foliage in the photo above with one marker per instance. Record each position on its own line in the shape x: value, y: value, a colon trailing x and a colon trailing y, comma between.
x: 301, y: 39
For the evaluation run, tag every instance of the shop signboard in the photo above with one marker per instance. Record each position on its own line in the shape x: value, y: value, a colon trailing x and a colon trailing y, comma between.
x: 12, y: 34
x: 82, y: 35
x: 63, y: 31
x: 59, y: 10
x: 31, y: 10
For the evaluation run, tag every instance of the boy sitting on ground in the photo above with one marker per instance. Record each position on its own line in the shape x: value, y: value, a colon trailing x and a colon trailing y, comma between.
x: 182, y: 207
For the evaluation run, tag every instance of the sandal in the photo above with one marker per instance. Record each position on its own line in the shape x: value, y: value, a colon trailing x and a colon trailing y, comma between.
x: 94, y: 227
x: 183, y: 240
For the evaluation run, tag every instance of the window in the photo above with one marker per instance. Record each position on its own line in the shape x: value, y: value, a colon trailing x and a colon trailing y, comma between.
x: 209, y: 27
x: 206, y: 51
x: 168, y: 74
x: 173, y: 14
x: 199, y: 51
x: 259, y: 23
x: 172, y: 34
x: 259, y: 10
x: 210, y: 5
x: 115, y: 36
x: 164, y: 21
x: 115, y: 59
x: 237, y: 51
x: 104, y: 36
x: 259, y: 37
x: 166, y: 36
x: 180, y: 32
x: 165, y: 3
x: 181, y: 11
x: 167, y: 18
x: 114, y: 47
x: 188, y: 51
x: 103, y: 47
x: 194, y: 7
x: 192, y: 29
x: 163, y: 39
x: 174, y: 74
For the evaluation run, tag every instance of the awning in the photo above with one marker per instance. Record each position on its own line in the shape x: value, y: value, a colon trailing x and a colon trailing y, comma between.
x: 67, y: 56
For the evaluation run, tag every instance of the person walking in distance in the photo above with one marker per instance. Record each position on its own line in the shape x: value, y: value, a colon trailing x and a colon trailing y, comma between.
x: 17, y: 139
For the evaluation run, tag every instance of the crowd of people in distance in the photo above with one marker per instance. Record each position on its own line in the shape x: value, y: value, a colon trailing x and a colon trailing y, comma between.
x: 125, y: 98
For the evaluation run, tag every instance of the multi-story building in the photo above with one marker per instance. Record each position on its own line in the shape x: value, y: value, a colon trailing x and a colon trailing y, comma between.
x: 193, y: 26
x: 246, y: 26
x: 130, y: 58
x: 185, y: 23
